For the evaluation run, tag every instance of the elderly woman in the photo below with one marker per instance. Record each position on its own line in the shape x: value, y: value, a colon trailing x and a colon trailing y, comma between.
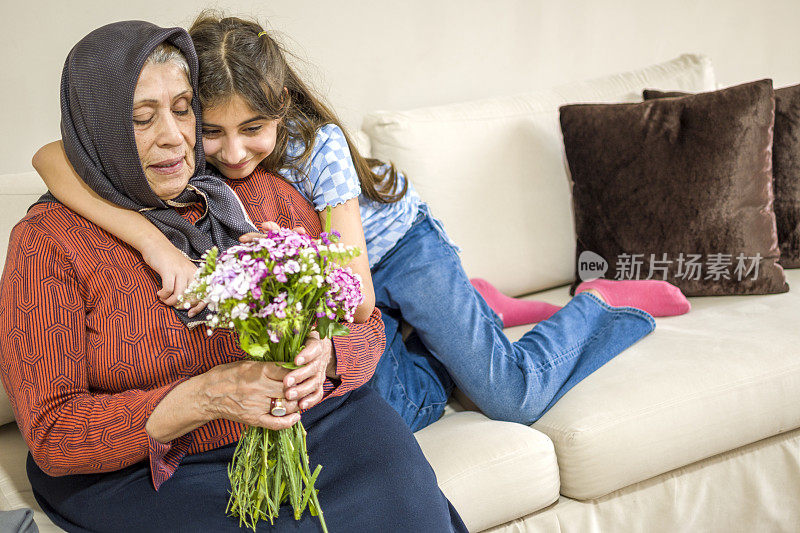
x: 115, y: 396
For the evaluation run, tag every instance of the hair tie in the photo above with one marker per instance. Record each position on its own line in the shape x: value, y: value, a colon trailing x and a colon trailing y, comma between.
x: 262, y: 33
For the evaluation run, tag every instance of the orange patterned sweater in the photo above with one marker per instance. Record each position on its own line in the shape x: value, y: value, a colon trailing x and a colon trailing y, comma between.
x: 87, y: 350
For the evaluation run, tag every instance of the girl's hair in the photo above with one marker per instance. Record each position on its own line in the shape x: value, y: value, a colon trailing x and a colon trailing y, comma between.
x: 237, y: 57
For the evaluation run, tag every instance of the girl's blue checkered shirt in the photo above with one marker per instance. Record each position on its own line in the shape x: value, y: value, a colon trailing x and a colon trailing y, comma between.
x: 328, y: 177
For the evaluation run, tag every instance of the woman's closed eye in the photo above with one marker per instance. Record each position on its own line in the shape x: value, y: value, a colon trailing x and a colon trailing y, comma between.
x: 252, y: 129
x: 182, y: 107
x: 142, y: 120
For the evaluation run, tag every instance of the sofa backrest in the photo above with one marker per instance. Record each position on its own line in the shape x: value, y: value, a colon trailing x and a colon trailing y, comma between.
x: 494, y: 171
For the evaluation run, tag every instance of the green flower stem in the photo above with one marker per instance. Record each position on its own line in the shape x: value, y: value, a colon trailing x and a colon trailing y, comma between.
x: 270, y: 468
x: 262, y: 479
x: 316, y: 508
x: 328, y: 212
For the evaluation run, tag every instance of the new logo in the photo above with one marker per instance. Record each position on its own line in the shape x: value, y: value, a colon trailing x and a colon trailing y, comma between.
x: 591, y: 266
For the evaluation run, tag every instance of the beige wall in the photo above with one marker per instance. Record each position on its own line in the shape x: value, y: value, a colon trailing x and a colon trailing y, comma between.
x: 395, y: 55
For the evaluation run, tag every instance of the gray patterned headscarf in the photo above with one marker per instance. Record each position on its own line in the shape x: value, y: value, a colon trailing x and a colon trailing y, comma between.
x: 97, y: 87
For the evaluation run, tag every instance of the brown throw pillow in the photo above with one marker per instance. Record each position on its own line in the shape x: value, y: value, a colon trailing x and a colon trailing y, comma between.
x: 785, y: 169
x: 678, y: 189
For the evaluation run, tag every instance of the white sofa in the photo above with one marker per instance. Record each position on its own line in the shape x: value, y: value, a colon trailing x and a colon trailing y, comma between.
x: 694, y: 428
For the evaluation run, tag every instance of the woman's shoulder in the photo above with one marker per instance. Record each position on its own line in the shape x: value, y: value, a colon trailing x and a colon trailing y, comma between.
x: 263, y: 187
x: 52, y: 224
x: 42, y: 235
x: 49, y: 217
x: 267, y: 196
x: 259, y: 178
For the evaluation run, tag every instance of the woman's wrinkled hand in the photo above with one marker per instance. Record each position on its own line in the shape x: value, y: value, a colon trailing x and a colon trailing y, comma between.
x: 304, y: 385
x: 176, y: 272
x: 242, y: 392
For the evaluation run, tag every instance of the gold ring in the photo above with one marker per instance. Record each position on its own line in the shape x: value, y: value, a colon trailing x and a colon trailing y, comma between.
x: 276, y: 407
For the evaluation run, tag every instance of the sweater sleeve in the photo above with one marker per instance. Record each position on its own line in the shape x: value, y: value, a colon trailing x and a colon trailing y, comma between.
x: 357, y: 354
x: 69, y: 428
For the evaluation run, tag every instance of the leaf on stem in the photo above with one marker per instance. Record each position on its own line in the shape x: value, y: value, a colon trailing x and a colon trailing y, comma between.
x: 328, y: 328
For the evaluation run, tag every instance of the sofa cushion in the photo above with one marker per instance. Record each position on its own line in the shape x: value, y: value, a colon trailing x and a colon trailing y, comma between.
x: 724, y: 375
x: 679, y: 189
x: 786, y: 172
x: 17, y: 193
x: 754, y: 488
x: 498, y: 163
x: 491, y: 471
x: 785, y: 168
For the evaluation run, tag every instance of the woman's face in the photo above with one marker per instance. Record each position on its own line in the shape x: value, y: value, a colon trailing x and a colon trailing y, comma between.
x: 164, y: 127
x: 236, y: 138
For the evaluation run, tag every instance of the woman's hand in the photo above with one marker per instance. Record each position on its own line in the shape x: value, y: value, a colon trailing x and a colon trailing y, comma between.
x: 304, y: 385
x: 242, y: 391
x: 176, y: 272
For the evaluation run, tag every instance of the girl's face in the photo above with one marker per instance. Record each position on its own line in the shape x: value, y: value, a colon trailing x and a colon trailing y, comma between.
x: 236, y: 138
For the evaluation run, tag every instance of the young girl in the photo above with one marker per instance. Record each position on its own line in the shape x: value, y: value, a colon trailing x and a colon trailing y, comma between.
x: 257, y: 112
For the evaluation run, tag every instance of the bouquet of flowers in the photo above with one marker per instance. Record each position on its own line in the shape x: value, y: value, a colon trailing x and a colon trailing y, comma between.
x: 273, y: 291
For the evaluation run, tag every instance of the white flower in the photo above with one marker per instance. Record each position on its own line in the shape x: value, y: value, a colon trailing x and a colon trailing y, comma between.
x: 240, y: 311
x: 292, y: 266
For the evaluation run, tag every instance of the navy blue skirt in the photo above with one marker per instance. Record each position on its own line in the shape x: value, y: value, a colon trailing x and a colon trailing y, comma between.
x: 374, y: 478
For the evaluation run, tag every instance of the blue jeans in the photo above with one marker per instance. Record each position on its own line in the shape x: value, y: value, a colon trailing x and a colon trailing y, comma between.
x: 458, y: 339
